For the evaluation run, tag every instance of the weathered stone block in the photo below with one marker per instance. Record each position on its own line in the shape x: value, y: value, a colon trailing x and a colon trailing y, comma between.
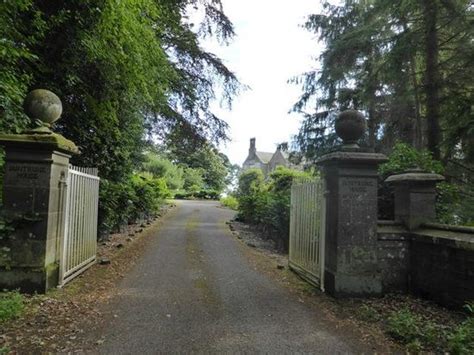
x: 415, y: 197
x: 33, y: 199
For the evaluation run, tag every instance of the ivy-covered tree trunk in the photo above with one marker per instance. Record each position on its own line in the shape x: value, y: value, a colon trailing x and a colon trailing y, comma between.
x: 418, y: 123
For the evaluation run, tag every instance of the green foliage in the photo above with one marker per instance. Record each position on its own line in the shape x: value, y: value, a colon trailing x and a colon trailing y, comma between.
x: 267, y: 203
x: 148, y: 194
x: 368, y: 313
x: 214, y: 167
x: 18, y: 35
x: 404, y: 326
x: 250, y: 193
x: 411, y: 329
x: 390, y: 60
x: 230, y: 202
x: 123, y: 69
x: 163, y: 168
x: 406, y: 65
x: 2, y: 171
x: 454, y: 201
x: 404, y: 157
x: 11, y: 305
x: 419, y: 334
x: 200, y: 176
x: 449, y: 207
x: 461, y: 340
x: 193, y: 180
x: 137, y: 197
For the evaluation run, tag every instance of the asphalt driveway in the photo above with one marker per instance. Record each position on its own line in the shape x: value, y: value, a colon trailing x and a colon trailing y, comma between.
x: 194, y: 292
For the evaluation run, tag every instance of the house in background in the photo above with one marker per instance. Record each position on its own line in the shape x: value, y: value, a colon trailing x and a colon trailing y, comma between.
x: 265, y: 161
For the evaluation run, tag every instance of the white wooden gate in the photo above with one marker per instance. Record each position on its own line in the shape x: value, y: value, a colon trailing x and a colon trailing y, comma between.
x: 307, y: 231
x: 79, y: 245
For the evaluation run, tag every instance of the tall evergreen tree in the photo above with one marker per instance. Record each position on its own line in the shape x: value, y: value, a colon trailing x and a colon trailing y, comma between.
x: 401, y: 62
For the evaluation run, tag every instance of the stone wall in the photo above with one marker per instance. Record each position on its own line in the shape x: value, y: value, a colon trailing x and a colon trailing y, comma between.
x: 393, y: 252
x: 442, y: 264
x: 434, y: 261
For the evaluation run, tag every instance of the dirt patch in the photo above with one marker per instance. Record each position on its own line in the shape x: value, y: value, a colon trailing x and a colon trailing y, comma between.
x: 63, y: 319
x: 254, y: 238
x: 363, y: 318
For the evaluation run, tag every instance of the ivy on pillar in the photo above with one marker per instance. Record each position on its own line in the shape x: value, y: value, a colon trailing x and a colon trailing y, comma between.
x: 34, y: 191
x: 351, y: 179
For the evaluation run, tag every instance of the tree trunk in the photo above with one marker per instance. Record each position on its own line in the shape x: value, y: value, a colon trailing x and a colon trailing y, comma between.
x: 432, y: 77
x: 371, y: 97
x: 418, y: 131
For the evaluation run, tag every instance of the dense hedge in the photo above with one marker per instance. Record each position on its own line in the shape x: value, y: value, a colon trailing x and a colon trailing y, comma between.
x: 197, y: 195
x: 139, y: 197
x: 266, y: 202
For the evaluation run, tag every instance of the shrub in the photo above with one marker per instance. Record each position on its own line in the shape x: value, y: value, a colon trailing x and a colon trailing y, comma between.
x: 267, y: 203
x: 115, y: 205
x: 193, y: 180
x: 250, y: 192
x: 161, y: 167
x: 200, y: 194
x: 148, y: 195
x: 11, y: 305
x: 230, y: 202
x: 405, y: 157
x: 138, y: 196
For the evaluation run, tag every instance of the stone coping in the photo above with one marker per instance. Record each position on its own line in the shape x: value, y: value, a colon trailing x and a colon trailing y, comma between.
x: 450, y: 227
x: 433, y: 233
x: 39, y: 141
x: 444, y: 237
x: 415, y: 177
x: 356, y: 157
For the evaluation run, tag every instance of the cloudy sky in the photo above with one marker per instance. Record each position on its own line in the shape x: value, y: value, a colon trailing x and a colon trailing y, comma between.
x: 270, y: 47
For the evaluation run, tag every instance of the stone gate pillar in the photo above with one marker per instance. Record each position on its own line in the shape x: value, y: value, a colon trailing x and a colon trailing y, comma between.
x: 351, y: 178
x: 34, y: 194
x: 415, y: 197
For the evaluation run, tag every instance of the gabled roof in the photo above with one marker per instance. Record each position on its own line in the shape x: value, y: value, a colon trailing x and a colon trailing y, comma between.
x: 265, y: 157
x: 285, y: 154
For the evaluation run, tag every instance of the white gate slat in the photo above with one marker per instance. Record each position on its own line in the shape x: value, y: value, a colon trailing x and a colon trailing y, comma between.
x: 73, y: 228
x: 81, y: 209
x: 307, y: 217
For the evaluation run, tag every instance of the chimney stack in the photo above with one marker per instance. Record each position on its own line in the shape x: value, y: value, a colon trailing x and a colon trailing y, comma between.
x: 252, y: 149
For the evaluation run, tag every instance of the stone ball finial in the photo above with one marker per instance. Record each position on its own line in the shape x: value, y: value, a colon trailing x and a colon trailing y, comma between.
x: 43, y: 105
x: 350, y: 126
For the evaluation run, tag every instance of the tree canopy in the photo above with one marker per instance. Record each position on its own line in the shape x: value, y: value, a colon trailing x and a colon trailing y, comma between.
x: 406, y: 64
x: 122, y: 69
x: 128, y: 72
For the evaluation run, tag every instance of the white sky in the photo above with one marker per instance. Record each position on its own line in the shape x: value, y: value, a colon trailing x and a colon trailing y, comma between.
x: 270, y: 47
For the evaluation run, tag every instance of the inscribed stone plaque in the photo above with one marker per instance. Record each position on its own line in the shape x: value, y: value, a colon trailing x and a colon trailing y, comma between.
x: 357, y: 209
x: 26, y: 174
